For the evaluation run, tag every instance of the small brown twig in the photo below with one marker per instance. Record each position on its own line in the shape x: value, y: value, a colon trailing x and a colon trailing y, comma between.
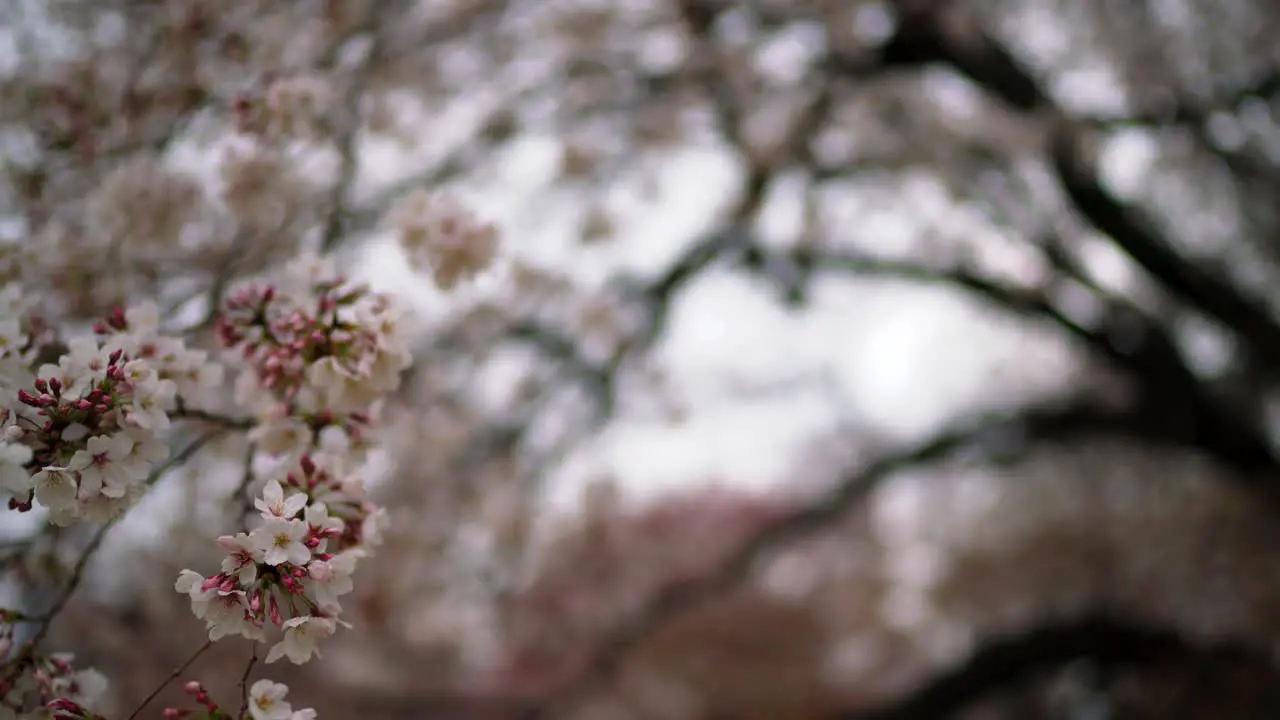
x: 244, y: 681
x: 173, y: 675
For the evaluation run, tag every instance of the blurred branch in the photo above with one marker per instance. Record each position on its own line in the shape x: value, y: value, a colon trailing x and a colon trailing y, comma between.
x: 172, y: 676
x: 923, y: 39
x: 348, y: 128
x: 1174, y: 396
x: 1251, y: 321
x: 1007, y: 661
x: 77, y: 572
x: 1058, y: 423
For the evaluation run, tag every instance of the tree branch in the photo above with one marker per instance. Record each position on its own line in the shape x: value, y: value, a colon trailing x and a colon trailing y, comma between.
x: 1055, y: 422
x: 1006, y: 661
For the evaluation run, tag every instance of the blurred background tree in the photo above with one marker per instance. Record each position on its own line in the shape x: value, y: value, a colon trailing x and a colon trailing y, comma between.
x: 910, y: 359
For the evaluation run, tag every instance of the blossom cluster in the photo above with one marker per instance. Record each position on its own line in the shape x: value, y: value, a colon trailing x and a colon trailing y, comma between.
x: 317, y: 354
x: 442, y: 237
x: 37, y: 686
x: 317, y: 357
x: 290, y: 571
x: 81, y: 435
x: 86, y: 419
x: 265, y: 701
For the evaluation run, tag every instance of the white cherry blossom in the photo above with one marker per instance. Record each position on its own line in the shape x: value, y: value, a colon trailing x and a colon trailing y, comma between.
x: 55, y: 488
x: 301, y: 637
x: 274, y: 504
x: 281, y: 541
x: 102, y: 465
x: 266, y: 701
x: 14, y: 477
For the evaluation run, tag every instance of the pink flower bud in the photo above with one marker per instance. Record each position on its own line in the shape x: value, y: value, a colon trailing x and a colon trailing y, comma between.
x: 192, y: 687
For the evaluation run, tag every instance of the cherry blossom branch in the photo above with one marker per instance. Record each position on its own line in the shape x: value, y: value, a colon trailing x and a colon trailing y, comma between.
x: 172, y: 676
x: 242, y: 494
x: 77, y: 573
x: 186, y: 413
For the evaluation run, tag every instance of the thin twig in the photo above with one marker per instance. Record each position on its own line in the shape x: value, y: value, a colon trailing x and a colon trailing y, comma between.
x: 173, y: 675
x: 331, y: 232
x: 221, y: 280
x: 244, y: 681
x: 185, y: 413
x: 242, y: 493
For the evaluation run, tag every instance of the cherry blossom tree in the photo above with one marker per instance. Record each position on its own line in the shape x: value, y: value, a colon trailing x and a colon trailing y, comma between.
x: 296, y: 363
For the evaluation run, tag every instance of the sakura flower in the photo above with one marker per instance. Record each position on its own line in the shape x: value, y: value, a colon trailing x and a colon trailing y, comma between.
x: 189, y: 582
x: 143, y: 318
x: 151, y: 401
x: 198, y: 379
x: 266, y: 701
x: 11, y: 336
x: 318, y: 518
x: 192, y: 584
x: 342, y: 388
x: 301, y: 636
x: 14, y: 477
x: 55, y: 488
x: 281, y: 541
x: 274, y: 504
x: 139, y: 372
x: 242, y: 559
x: 147, y: 451
x: 87, y: 687
x: 282, y: 436
x: 101, y: 465
x: 99, y: 509
x: 225, y: 615
x: 330, y: 579
x: 372, y: 526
